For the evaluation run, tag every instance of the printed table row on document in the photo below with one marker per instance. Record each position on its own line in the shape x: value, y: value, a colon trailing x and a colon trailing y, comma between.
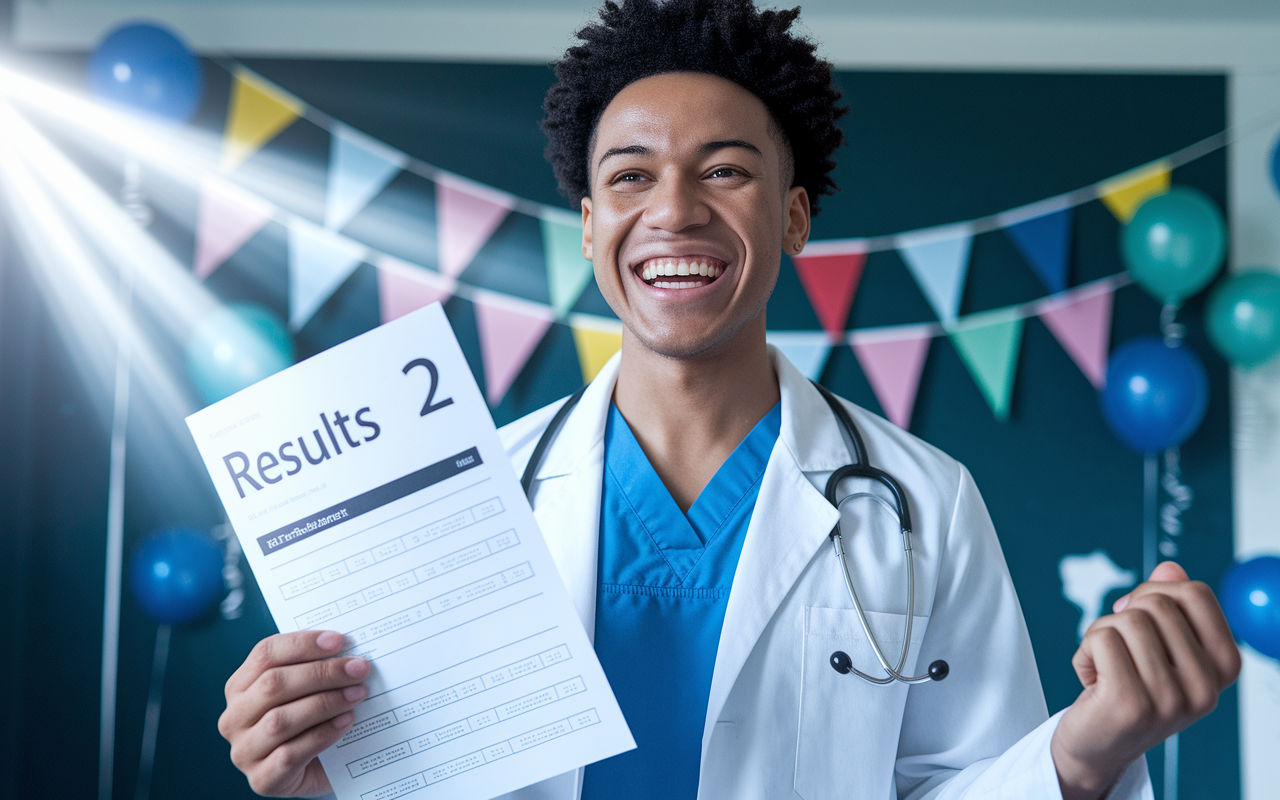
x: 487, y: 755
x: 391, y: 547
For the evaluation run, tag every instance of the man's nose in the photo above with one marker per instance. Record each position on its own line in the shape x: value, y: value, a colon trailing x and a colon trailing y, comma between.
x: 676, y: 204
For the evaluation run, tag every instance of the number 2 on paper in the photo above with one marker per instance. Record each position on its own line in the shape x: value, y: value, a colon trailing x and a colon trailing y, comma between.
x: 429, y: 406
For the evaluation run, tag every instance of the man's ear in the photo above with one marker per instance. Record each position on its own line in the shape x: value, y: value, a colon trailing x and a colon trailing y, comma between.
x: 586, y: 228
x: 797, y: 220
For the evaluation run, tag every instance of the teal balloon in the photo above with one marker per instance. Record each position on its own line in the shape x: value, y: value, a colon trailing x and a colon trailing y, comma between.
x: 236, y: 346
x: 1174, y: 244
x: 1243, y: 317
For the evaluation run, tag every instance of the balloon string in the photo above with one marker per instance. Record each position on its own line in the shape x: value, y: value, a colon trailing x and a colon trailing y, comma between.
x: 1172, y: 331
x: 134, y: 202
x: 1180, y: 499
x: 151, y: 727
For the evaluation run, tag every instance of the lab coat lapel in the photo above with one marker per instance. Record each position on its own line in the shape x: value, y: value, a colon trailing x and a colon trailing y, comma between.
x: 566, y: 499
x: 791, y: 521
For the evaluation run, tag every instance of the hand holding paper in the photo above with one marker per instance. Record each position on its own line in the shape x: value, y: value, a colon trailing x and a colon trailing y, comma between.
x: 373, y: 497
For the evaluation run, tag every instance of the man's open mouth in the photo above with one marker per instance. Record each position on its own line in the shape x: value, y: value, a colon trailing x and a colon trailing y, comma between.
x: 680, y: 272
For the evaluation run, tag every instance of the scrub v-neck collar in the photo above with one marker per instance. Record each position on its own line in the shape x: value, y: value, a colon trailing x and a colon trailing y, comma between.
x: 682, y: 538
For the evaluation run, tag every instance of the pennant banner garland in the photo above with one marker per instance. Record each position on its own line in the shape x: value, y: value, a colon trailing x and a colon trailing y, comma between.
x: 988, y: 344
x: 806, y: 350
x: 1045, y: 244
x: 1123, y: 194
x: 510, y: 328
x: 939, y: 261
x: 259, y: 110
x: 509, y: 331
x: 830, y: 281
x: 1081, y: 322
x: 319, y: 261
x: 404, y: 287
x: 596, y: 340
x: 467, y: 214
x: 892, y: 359
x: 359, y: 168
x: 227, y: 218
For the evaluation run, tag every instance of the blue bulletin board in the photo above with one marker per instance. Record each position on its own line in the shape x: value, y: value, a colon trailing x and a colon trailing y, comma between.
x: 925, y: 149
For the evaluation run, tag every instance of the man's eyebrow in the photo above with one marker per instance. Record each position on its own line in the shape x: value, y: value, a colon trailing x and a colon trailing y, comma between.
x: 705, y: 149
x: 711, y: 147
x: 629, y: 150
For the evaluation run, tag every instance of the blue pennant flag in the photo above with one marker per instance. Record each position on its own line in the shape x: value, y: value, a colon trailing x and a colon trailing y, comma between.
x: 1044, y: 243
x: 359, y: 168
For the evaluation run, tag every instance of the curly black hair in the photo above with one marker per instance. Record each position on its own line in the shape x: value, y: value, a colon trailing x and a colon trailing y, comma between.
x: 728, y: 38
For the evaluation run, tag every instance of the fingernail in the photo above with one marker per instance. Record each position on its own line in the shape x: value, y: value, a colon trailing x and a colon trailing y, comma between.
x: 343, y: 720
x: 329, y: 640
x: 357, y: 667
x: 1120, y: 604
x: 353, y: 693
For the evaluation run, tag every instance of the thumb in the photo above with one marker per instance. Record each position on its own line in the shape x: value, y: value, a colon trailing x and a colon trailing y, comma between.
x: 1168, y: 572
x: 1165, y: 572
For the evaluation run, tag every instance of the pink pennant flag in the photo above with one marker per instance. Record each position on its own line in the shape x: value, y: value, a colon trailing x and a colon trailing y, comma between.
x: 509, y: 330
x: 467, y: 214
x: 404, y: 287
x: 227, y: 218
x: 892, y: 359
x: 1081, y: 321
x: 830, y: 281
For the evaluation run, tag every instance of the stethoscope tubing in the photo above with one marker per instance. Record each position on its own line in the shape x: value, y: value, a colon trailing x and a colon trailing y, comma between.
x: 859, y: 469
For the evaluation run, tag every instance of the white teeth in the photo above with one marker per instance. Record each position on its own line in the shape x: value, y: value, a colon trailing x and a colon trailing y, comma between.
x: 669, y: 266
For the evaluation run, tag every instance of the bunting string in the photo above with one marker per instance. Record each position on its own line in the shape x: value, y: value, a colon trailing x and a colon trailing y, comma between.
x: 322, y: 257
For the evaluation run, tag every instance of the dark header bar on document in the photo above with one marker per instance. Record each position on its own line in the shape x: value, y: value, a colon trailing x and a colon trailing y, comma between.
x: 295, y: 532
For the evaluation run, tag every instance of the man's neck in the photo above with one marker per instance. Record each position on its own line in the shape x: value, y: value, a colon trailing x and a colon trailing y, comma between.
x: 689, y: 414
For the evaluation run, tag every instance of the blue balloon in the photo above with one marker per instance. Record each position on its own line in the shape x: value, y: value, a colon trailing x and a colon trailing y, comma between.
x: 176, y: 575
x: 1275, y: 165
x: 147, y: 68
x: 1155, y: 395
x: 1250, y: 598
x: 234, y: 347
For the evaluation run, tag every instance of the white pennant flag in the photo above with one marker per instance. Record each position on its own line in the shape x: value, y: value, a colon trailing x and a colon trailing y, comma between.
x: 939, y: 260
x: 319, y: 261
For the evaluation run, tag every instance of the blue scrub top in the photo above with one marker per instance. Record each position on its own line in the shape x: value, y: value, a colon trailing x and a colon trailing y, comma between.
x: 663, y: 585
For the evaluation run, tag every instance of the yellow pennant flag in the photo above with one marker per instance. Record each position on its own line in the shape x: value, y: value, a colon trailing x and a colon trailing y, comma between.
x: 1124, y: 193
x: 597, y: 340
x: 257, y: 113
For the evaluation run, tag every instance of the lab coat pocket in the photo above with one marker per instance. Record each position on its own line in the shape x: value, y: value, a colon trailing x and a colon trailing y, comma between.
x: 848, y: 732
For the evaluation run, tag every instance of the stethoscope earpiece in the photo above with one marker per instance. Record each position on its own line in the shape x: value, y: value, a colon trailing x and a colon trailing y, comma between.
x: 841, y: 662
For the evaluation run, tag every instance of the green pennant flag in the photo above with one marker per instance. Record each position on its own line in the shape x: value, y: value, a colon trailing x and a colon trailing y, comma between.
x: 988, y: 343
x: 567, y: 271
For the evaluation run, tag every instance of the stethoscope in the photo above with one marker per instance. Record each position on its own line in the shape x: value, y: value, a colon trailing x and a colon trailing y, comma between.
x: 861, y: 468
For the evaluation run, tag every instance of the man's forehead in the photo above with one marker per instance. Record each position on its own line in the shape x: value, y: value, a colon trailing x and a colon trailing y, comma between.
x: 684, y: 110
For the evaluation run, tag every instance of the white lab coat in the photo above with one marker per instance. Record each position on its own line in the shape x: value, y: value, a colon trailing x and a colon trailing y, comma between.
x: 780, y: 721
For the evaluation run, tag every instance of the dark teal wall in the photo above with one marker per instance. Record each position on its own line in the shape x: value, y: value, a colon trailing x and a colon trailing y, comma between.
x: 925, y: 148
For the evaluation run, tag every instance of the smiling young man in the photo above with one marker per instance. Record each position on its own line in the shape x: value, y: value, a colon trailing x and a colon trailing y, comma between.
x: 683, y: 495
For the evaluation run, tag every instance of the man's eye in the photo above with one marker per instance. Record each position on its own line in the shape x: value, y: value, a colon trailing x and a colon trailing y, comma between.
x: 630, y: 177
x: 725, y: 172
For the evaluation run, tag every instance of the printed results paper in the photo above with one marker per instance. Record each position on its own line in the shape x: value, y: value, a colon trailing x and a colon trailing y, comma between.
x: 371, y: 496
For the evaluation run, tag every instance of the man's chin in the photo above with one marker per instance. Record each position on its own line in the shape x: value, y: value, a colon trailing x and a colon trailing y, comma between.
x: 687, y: 343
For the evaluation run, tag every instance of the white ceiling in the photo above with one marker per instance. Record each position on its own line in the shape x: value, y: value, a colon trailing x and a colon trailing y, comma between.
x: 1197, y: 35
x: 1025, y: 10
